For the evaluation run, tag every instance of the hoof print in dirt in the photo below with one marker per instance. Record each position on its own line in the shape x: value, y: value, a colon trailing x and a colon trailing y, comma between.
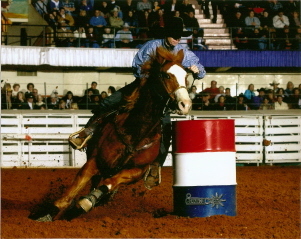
x: 161, y: 212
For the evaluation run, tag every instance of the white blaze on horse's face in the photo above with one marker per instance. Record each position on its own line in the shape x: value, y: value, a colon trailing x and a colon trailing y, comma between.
x: 181, y: 94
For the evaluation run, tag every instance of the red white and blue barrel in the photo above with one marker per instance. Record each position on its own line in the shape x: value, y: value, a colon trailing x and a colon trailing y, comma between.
x: 204, y: 168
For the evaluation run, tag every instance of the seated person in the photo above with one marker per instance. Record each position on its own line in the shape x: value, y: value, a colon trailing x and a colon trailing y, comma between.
x: 241, y: 103
x: 54, y: 103
x: 124, y: 37
x: 201, y: 101
x: 108, y: 38
x: 65, y: 36
x: 29, y: 104
x: 279, y: 104
x: 91, y: 40
x: 98, y: 22
x: 114, y: 19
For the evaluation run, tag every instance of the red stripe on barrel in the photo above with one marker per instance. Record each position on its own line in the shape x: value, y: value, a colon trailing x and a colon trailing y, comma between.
x: 204, y: 136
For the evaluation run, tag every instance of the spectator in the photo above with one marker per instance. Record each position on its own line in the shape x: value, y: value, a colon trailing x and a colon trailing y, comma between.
x: 28, y: 104
x: 66, y: 18
x: 84, y: 5
x: 192, y: 92
x: 297, y: 41
x: 103, y: 95
x: 214, y: 5
x: 291, y: 6
x: 80, y: 36
x: 40, y: 102
x: 111, y: 90
x: 93, y: 89
x: 294, y: 101
x: 258, y: 40
x: 52, y: 29
x: 221, y: 92
x: 108, y: 38
x: 275, y: 6
x: 98, y: 22
x: 220, y: 104
x: 295, y: 21
x: 82, y: 21
x: 92, y: 39
x: 144, y: 23
x: 16, y: 89
x: 55, y: 94
x: 19, y: 100
x: 69, y: 7
x: 241, y: 40
x: 127, y: 7
x: 144, y: 5
x: 249, y: 93
x: 212, y: 90
x: 280, y: 91
x: 230, y: 101
x: 124, y: 37
x: 275, y: 85
x: 279, y: 104
x: 74, y: 106
x: 185, y: 8
x: 114, y: 19
x: 35, y: 94
x: 132, y: 21
x: 201, y: 102
x: 65, y: 37
x: 53, y: 104
x: 113, y: 5
x: 280, y: 20
x: 7, y: 99
x: 270, y: 96
x: 258, y: 100
x: 252, y: 22
x: 62, y: 105
x: 289, y: 89
x: 241, y: 104
x: 171, y: 7
x: 286, y: 39
x: 86, y: 101
x: 266, y: 21
x: 266, y: 104
x: 192, y: 24
x: 55, y: 5
x: 69, y: 98
x: 104, y: 9
x: 30, y: 87
x: 41, y: 7
x: 237, y: 21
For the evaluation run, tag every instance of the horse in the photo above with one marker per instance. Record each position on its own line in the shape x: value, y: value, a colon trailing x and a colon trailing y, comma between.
x: 128, y: 142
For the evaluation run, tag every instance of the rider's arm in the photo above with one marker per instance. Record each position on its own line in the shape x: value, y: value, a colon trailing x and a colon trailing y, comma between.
x: 190, y: 59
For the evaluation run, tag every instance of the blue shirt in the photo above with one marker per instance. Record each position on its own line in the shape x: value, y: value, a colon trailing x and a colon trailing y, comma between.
x: 149, y: 49
x: 100, y: 20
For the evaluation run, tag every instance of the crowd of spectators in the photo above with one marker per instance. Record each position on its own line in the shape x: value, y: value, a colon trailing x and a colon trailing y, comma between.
x: 219, y: 98
x: 211, y: 98
x: 258, y: 25
x: 261, y: 25
x: 13, y: 98
x: 121, y: 24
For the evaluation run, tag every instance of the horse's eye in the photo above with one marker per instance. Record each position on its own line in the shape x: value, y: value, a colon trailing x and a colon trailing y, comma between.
x: 165, y: 75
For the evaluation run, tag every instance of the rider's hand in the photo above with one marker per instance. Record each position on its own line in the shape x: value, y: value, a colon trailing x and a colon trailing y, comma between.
x: 195, y: 71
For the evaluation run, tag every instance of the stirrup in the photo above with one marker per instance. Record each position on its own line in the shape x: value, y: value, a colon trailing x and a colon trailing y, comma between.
x: 78, y: 147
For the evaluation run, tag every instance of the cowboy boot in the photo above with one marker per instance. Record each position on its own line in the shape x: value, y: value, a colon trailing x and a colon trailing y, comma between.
x: 79, y: 139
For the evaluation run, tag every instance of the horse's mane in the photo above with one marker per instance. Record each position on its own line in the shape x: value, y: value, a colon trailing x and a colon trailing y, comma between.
x: 160, y: 57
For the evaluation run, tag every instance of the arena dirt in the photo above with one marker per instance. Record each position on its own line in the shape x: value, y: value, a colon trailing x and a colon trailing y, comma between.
x: 268, y: 202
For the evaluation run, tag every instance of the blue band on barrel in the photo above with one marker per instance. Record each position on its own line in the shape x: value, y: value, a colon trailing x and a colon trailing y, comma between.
x: 205, y: 201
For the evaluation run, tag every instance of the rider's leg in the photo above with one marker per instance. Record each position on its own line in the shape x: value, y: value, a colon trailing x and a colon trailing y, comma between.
x: 79, y: 139
x: 153, y: 176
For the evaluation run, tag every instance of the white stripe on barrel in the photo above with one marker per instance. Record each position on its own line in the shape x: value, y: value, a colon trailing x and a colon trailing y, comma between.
x: 204, y: 168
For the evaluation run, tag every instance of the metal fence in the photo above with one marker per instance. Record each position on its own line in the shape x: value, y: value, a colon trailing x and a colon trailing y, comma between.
x: 40, y: 139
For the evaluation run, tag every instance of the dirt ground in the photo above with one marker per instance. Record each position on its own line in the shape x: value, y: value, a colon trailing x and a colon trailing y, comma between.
x: 268, y: 205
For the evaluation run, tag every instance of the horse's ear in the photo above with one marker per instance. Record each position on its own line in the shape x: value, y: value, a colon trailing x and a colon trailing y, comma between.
x: 180, y: 56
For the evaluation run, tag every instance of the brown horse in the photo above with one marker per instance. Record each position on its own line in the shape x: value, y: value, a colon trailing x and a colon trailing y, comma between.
x: 122, y: 149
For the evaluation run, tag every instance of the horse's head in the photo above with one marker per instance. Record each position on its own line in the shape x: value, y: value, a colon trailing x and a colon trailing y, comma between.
x: 172, y: 77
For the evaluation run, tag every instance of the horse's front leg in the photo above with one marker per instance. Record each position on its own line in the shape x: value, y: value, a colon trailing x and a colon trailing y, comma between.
x: 109, y: 185
x: 56, y: 211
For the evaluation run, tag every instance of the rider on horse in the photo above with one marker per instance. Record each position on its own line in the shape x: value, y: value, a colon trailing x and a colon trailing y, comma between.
x: 173, y: 33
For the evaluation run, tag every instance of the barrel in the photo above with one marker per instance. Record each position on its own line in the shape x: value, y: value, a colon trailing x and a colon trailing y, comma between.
x: 204, y: 168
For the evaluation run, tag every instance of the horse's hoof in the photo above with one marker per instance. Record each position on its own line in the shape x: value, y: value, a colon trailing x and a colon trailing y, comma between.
x: 86, y: 204
x: 46, y: 218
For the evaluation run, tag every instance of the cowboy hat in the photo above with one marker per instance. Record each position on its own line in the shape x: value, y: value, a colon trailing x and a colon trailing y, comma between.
x: 274, y: 83
x: 174, y: 28
x: 261, y: 89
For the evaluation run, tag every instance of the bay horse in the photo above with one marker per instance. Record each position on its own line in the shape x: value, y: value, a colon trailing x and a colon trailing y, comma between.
x: 123, y: 148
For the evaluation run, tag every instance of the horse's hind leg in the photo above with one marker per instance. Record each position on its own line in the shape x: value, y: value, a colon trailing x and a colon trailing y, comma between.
x: 126, y: 176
